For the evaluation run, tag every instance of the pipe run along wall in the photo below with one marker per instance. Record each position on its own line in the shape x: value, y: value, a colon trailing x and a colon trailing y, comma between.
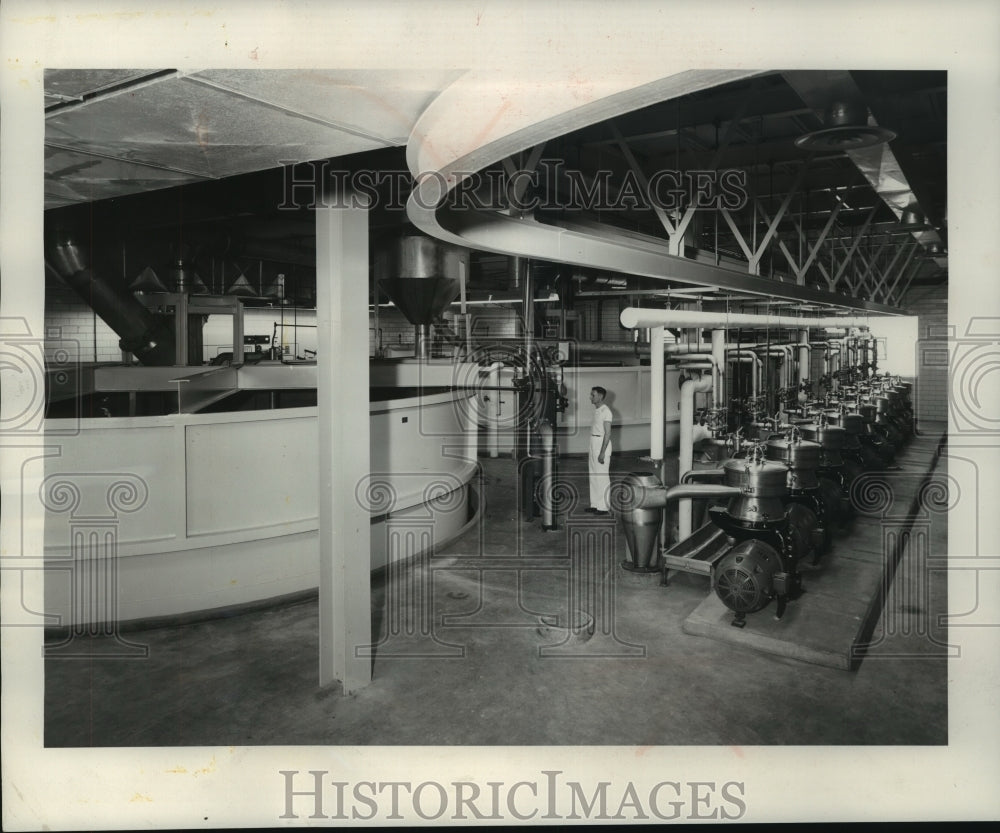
x: 643, y: 318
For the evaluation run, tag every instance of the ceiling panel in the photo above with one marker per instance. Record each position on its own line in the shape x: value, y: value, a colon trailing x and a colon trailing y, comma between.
x: 78, y: 177
x: 196, y: 129
x: 63, y: 84
x: 383, y: 103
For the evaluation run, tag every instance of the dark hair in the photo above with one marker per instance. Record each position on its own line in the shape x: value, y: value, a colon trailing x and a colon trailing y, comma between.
x: 600, y: 390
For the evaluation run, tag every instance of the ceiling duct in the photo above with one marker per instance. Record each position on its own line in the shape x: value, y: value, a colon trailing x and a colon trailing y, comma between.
x: 421, y: 276
x: 846, y: 127
x: 148, y: 337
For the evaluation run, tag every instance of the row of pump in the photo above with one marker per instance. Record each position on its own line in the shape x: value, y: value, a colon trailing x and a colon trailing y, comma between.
x: 769, y: 496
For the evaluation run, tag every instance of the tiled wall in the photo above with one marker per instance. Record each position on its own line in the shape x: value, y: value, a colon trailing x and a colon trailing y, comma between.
x: 71, y: 326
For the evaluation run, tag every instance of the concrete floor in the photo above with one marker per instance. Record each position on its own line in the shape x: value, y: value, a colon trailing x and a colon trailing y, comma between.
x: 474, y: 653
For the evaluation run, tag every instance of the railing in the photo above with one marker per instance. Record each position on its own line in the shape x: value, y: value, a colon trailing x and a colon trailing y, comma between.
x: 199, y: 389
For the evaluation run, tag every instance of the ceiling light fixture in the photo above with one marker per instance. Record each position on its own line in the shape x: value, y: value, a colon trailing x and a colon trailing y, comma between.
x: 846, y: 128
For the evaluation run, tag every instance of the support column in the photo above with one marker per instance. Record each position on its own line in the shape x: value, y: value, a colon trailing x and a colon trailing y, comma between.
x: 344, y: 442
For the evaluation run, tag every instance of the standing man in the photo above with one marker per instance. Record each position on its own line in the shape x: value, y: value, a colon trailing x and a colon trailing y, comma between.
x: 599, y: 458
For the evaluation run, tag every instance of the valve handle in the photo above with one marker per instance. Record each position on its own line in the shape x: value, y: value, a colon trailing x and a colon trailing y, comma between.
x: 755, y: 455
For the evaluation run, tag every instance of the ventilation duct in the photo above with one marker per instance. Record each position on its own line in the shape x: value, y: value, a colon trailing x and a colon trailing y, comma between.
x: 148, y: 337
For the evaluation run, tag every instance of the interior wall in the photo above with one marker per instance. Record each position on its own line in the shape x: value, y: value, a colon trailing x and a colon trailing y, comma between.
x: 931, y: 351
x: 74, y: 331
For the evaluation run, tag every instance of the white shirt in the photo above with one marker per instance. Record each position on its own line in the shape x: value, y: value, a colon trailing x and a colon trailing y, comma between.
x: 602, y: 414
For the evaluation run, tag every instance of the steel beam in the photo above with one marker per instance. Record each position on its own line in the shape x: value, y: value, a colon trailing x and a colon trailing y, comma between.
x: 854, y: 247
x: 621, y: 252
x: 773, y: 225
x: 633, y: 164
x: 910, y: 248
x: 889, y: 292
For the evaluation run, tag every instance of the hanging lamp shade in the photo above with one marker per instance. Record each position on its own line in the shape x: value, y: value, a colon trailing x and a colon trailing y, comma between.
x: 241, y: 286
x: 845, y: 127
x: 147, y: 281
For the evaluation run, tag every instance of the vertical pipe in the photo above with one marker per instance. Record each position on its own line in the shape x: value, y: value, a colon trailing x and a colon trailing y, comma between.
x: 181, y: 334
x: 804, y: 370
x: 686, y: 457
x: 422, y: 346
x: 528, y: 302
x: 719, y: 368
x: 528, y: 286
x: 377, y: 349
x: 548, y: 453
x: 493, y: 415
x: 657, y: 393
x: 462, y: 277
x: 472, y: 428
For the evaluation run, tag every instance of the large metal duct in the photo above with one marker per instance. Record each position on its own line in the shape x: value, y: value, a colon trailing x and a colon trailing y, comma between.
x: 148, y: 337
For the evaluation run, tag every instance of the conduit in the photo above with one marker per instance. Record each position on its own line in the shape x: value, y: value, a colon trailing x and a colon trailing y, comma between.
x: 642, y: 318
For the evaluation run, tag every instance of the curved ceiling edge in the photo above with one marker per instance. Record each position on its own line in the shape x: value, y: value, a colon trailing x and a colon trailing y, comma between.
x: 432, y: 149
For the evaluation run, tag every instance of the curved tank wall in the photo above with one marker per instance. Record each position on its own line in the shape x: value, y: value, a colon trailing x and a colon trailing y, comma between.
x: 628, y: 397
x: 185, y: 513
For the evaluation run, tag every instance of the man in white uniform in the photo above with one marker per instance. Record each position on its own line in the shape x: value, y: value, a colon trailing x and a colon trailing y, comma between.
x: 599, y: 458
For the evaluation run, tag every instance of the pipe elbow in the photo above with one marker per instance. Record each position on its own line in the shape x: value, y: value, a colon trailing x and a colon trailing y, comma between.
x: 701, y: 474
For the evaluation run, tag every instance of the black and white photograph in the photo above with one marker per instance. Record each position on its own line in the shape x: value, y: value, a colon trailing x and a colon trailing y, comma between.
x: 449, y: 413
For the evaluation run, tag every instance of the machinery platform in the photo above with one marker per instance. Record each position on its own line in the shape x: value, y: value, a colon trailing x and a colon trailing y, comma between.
x: 833, y: 621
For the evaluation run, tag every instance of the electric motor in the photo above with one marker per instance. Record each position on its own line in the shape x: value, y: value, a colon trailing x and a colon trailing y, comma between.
x: 745, y: 578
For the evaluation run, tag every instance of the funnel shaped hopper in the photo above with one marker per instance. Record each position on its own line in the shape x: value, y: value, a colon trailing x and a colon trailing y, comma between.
x: 421, y: 277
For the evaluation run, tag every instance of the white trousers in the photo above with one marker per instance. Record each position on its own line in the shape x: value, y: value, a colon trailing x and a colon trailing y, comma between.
x: 600, y: 479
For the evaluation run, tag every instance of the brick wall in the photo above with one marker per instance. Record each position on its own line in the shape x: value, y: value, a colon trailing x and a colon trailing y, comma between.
x: 931, y: 388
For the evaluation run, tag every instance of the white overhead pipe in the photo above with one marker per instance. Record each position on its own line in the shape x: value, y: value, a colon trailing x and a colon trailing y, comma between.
x: 686, y: 458
x: 642, y: 317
